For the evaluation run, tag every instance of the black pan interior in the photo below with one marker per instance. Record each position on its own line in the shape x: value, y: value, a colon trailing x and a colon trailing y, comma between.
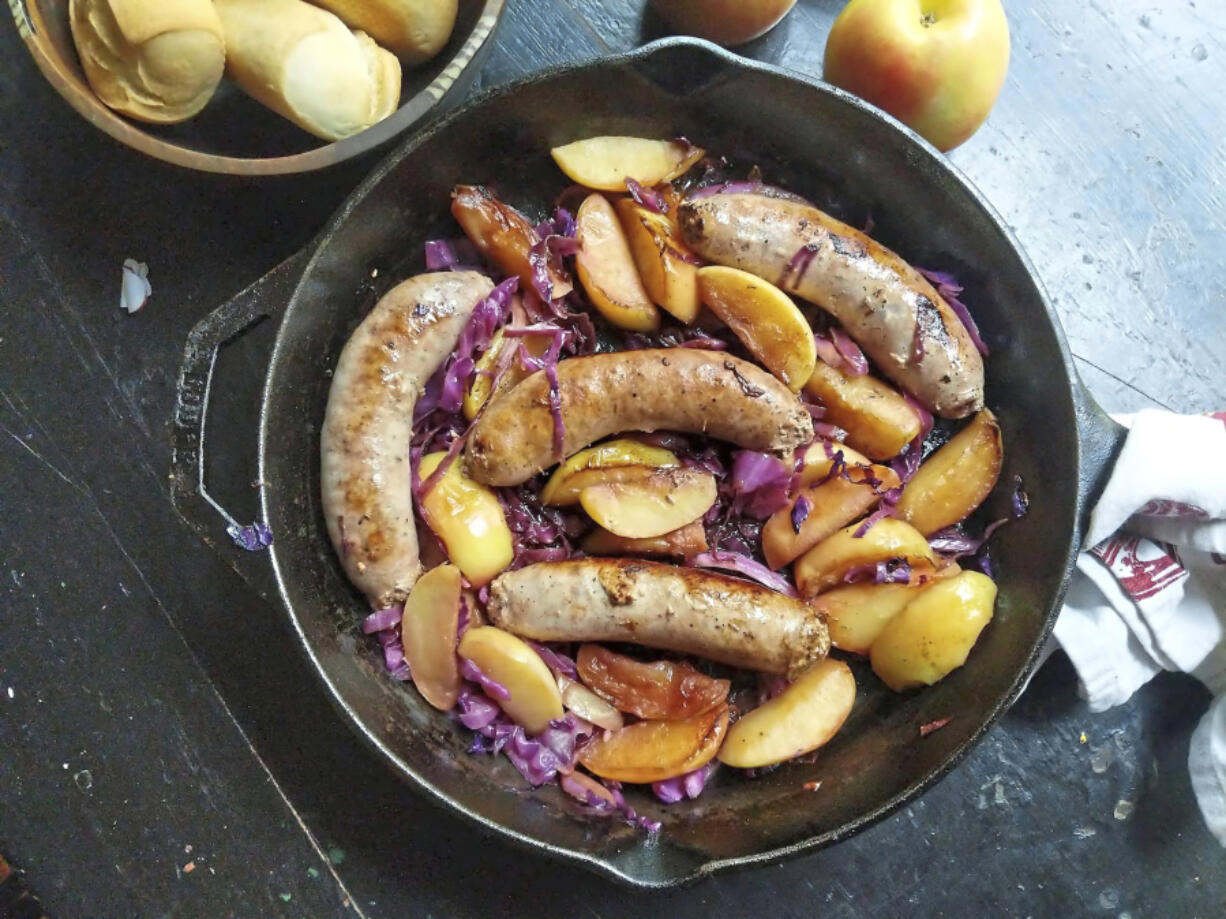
x: 848, y: 159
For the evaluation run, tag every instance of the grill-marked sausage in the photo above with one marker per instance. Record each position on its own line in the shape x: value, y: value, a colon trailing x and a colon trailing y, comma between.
x: 364, y: 447
x: 887, y: 306
x: 669, y: 389
x: 688, y: 610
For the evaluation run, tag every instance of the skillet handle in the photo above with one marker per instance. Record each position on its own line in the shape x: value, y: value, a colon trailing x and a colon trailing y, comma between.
x: 267, y: 298
x: 1101, y: 441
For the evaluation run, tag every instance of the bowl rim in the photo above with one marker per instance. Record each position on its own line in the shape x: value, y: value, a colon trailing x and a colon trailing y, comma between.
x: 28, y: 19
x: 620, y: 867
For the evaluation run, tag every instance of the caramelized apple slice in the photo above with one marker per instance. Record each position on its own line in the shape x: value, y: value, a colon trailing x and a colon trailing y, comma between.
x: 797, y: 721
x: 824, y: 566
x: 606, y: 269
x: 877, y: 419
x: 821, y: 457
x: 562, y: 489
x: 856, y: 613
x: 428, y: 631
x: 651, y: 502
x: 832, y: 504
x: 686, y: 542
x: 660, y: 690
x: 934, y: 633
x: 956, y: 478
x: 468, y: 519
x: 604, y: 163
x: 764, y: 318
x: 651, y: 751
x: 502, y: 234
x: 479, y: 389
x: 587, y: 705
x: 666, y: 266
x: 534, y: 697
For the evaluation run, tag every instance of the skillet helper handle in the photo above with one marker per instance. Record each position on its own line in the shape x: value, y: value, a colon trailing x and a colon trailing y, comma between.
x: 267, y: 298
x: 1101, y: 442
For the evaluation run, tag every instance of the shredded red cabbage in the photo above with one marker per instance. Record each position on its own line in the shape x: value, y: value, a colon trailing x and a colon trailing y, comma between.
x: 742, y: 564
x: 759, y: 483
x: 539, y: 759
x: 870, y: 521
x: 949, y: 289
x: 907, y: 463
x: 647, y: 197
x: 382, y: 619
x: 475, y: 710
x: 1021, y: 500
x: 894, y: 571
x: 794, y: 271
x: 556, y: 660
x: 455, y: 254
x: 854, y: 362
x: 800, y: 512
x: 253, y: 537
x: 689, y: 785
x: 474, y: 674
x: 557, y: 240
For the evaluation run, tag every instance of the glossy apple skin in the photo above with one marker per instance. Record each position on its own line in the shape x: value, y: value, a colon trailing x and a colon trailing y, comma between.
x: 725, y: 22
x: 935, y: 65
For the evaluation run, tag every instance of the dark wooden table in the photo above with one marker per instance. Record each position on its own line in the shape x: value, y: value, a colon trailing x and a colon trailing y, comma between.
x: 165, y: 752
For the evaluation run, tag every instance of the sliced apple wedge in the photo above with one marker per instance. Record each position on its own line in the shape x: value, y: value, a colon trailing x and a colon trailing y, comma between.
x: 666, y: 266
x: 562, y: 488
x: 934, y: 633
x: 467, y: 517
x: 534, y: 697
x: 686, y: 542
x: 878, y: 420
x: 502, y: 234
x: 764, y: 318
x: 832, y: 505
x: 655, y: 690
x: 428, y: 631
x: 604, y: 163
x: 651, y: 502
x: 479, y: 390
x: 651, y: 751
x: 820, y: 458
x: 824, y: 566
x: 587, y: 705
x: 857, y: 613
x: 956, y: 478
x: 606, y: 268
x: 797, y: 721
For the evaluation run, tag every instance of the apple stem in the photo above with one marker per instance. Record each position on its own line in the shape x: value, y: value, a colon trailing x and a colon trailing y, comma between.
x: 928, y: 19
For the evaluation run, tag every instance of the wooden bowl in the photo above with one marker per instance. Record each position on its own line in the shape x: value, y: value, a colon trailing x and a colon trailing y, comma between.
x: 236, y: 135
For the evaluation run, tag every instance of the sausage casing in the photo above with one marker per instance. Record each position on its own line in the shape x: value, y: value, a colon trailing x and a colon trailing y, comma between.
x: 689, y: 610
x: 364, y: 447
x: 888, y: 307
x: 670, y: 389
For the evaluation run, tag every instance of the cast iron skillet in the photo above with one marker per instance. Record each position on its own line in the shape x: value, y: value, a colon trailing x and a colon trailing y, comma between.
x: 845, y: 156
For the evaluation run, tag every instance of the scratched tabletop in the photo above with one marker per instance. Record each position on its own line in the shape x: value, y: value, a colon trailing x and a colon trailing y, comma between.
x: 164, y: 750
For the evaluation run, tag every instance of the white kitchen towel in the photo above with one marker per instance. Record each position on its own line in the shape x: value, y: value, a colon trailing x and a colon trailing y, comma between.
x: 1150, y: 593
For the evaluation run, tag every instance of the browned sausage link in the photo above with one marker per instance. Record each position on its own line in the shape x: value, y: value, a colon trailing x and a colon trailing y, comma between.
x: 364, y: 447
x: 887, y: 306
x: 671, y: 389
x: 660, y: 606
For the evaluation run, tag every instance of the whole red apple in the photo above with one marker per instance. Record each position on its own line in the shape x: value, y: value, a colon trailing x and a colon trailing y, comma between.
x: 726, y: 22
x: 935, y: 65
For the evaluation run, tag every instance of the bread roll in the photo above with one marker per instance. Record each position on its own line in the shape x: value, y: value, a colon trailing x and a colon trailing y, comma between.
x: 417, y: 30
x: 157, y: 60
x: 305, y: 64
